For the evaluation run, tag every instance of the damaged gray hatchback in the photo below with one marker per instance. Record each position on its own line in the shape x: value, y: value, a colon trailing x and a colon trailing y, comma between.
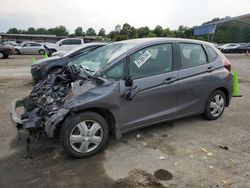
x: 125, y: 86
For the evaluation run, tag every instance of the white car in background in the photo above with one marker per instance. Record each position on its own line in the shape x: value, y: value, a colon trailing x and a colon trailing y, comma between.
x: 228, y: 48
x: 69, y: 43
x: 10, y: 43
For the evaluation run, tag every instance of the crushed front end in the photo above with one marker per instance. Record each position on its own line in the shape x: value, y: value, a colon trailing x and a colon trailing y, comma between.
x: 43, y: 108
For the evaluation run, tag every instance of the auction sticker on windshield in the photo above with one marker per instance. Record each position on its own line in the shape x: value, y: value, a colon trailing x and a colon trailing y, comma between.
x: 142, y: 58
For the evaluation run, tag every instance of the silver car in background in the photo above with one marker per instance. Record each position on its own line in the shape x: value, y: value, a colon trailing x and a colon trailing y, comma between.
x: 30, y: 48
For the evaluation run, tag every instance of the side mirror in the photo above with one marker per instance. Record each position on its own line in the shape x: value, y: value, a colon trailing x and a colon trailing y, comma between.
x: 128, y: 82
x: 60, y: 44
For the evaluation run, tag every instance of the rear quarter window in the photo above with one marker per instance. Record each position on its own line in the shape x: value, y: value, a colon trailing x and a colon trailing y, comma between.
x: 211, y: 53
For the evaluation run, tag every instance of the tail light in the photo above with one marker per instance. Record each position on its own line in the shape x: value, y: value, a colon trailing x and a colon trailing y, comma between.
x: 10, y: 49
x: 227, y: 64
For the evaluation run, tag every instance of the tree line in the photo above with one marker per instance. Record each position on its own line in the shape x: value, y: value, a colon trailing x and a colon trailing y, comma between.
x: 229, y: 32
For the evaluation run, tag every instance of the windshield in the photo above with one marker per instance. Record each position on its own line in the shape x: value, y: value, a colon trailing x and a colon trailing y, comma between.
x: 101, y: 56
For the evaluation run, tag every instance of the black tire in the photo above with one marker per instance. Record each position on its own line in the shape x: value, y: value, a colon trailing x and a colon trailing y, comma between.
x: 5, y: 56
x: 208, y: 114
x: 41, y: 52
x: 16, y: 52
x: 71, y: 124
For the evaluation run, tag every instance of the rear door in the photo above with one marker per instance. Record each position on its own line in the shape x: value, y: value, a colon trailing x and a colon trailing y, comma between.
x: 35, y: 47
x: 155, y: 84
x: 195, y: 78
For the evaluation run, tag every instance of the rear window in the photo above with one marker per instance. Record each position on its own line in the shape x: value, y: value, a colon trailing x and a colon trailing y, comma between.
x: 71, y: 41
x: 212, y: 55
x: 74, y: 41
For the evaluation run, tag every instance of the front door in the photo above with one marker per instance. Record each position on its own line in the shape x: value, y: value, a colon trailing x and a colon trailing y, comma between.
x: 154, y: 88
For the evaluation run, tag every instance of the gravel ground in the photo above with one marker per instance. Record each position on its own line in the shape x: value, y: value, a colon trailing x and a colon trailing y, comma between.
x: 132, y: 161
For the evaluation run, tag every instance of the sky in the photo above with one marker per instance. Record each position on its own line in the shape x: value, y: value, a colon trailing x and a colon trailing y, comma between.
x: 23, y: 14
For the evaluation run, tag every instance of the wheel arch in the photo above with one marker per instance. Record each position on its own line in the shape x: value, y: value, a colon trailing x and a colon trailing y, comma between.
x: 19, y: 52
x: 105, y: 113
x: 226, y: 93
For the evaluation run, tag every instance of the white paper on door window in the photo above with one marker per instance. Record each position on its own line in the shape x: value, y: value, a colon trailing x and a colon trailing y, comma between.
x: 142, y: 58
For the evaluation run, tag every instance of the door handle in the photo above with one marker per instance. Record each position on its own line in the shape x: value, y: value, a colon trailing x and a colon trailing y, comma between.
x: 210, y: 69
x: 169, y: 80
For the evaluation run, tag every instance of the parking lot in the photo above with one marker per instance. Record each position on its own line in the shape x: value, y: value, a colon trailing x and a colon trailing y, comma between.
x: 190, y: 152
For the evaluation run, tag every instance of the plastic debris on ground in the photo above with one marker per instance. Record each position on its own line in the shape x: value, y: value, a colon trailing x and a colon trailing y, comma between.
x: 162, y: 158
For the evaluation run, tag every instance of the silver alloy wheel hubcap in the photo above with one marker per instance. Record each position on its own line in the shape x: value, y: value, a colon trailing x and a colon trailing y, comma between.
x: 1, y: 55
x: 86, y: 136
x: 217, y: 105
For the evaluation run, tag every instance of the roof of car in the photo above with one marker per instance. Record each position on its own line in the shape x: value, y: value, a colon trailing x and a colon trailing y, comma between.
x: 161, y: 39
x: 143, y: 42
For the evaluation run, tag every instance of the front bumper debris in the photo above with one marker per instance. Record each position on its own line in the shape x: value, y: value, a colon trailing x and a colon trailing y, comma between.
x: 31, y: 119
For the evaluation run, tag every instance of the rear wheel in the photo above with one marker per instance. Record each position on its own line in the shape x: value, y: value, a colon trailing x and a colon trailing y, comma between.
x: 41, y: 52
x: 215, y: 105
x: 16, y: 52
x: 84, y: 135
x: 6, y: 56
x: 1, y: 55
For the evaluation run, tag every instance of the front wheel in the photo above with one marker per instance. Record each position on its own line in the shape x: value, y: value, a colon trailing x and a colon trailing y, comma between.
x: 84, y: 135
x: 215, y: 105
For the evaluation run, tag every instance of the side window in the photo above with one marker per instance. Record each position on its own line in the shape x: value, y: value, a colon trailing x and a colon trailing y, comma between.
x: 117, y: 71
x: 75, y: 41
x: 27, y: 45
x: 71, y: 42
x: 192, y: 55
x: 212, y: 54
x: 150, y: 61
x: 65, y: 42
x: 35, y: 44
